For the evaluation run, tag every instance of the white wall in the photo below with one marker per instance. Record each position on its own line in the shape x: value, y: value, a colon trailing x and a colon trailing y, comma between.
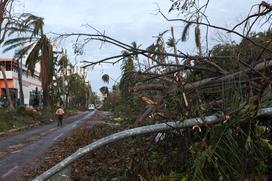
x: 29, y: 84
x: 9, y: 75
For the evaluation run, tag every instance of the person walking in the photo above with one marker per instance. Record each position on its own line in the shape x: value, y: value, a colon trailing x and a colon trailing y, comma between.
x: 60, y: 113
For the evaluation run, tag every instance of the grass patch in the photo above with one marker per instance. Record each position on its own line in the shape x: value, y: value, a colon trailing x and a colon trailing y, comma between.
x: 12, y: 120
x: 19, y: 118
x: 24, y: 117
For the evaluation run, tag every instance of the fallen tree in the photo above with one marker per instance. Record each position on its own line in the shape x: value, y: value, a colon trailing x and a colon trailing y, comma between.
x: 188, y: 123
x: 230, y: 76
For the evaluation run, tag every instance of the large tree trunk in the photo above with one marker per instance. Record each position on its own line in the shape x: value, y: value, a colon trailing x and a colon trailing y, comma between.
x: 46, y: 101
x: 10, y: 103
x: 20, y: 82
x: 45, y: 80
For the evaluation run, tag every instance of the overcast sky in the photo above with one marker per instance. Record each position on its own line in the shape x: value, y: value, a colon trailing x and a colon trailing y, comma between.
x: 126, y: 20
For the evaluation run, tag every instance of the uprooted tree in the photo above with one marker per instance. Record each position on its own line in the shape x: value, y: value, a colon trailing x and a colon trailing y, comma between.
x: 231, y: 78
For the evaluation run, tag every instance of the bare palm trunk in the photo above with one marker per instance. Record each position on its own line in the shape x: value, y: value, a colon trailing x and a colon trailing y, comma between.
x: 63, y: 84
x: 67, y: 95
x: 67, y: 99
x: 20, y: 83
x: 46, y: 101
x: 10, y: 103
x: 45, y: 81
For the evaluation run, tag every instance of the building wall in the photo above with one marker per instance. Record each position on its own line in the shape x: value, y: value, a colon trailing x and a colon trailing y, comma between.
x: 9, y: 75
x: 2, y: 85
x: 78, y: 70
x: 29, y: 84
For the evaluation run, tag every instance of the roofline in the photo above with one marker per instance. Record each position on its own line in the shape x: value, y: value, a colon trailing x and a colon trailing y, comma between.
x: 7, y: 59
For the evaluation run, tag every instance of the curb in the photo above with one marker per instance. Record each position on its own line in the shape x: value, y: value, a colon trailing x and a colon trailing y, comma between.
x: 3, y: 133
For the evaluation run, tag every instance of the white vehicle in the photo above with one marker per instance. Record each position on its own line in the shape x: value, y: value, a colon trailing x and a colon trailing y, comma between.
x: 91, y: 107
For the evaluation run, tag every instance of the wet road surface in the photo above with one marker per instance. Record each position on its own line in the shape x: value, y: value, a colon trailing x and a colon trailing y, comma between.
x: 17, y: 151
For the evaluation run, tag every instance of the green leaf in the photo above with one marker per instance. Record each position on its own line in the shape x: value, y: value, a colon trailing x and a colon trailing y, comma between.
x: 185, y: 31
x: 259, y: 131
x: 248, y: 144
x: 265, y: 143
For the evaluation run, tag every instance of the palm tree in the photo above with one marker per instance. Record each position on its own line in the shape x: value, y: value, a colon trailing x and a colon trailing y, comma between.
x: 36, y: 46
x: 128, y: 76
x: 19, y: 70
x: 63, y: 64
x: 104, y: 90
x: 156, y: 50
x: 106, y: 78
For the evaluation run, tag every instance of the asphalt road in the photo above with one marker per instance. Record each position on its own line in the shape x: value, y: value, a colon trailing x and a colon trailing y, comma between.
x: 19, y: 150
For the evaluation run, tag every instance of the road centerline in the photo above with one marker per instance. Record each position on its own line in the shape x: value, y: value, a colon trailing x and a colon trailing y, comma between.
x: 74, y: 125
x: 17, y: 151
x: 58, y: 136
x: 10, y: 171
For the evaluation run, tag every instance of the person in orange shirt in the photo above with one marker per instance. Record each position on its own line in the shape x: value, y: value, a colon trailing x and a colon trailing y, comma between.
x: 59, y: 114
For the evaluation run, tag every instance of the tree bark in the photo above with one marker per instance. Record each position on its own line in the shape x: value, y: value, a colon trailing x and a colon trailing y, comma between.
x: 20, y: 82
x: 148, y: 110
x: 45, y: 79
x: 10, y: 103
x: 46, y: 101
